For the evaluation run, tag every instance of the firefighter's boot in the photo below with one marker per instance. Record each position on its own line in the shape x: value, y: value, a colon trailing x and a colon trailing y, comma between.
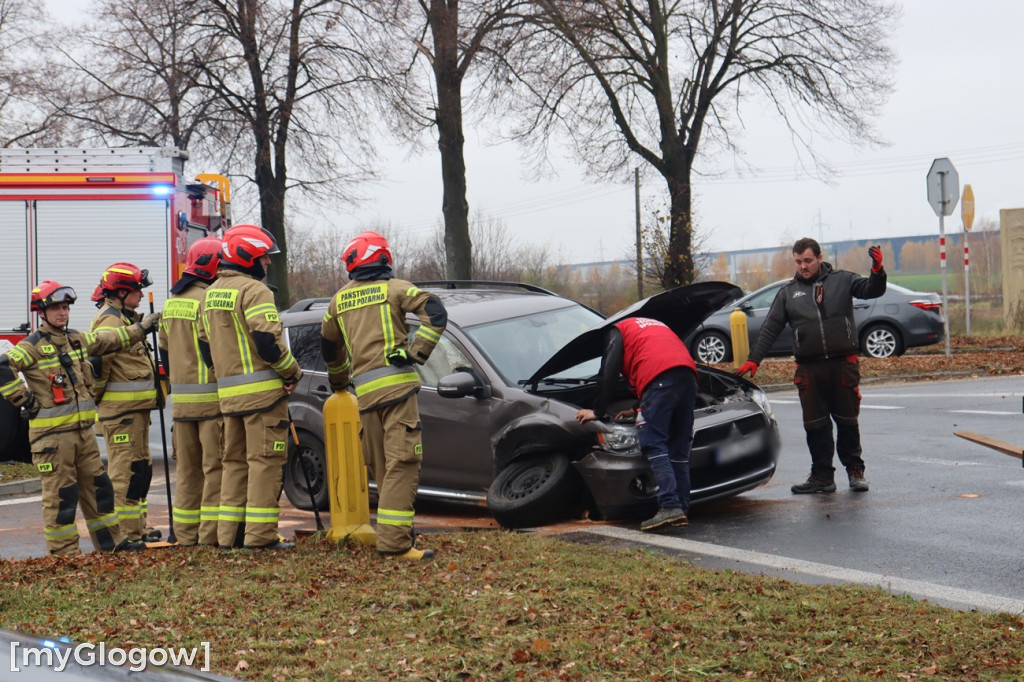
x: 413, y: 554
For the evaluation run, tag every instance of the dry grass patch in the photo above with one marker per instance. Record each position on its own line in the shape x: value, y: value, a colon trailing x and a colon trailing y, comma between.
x: 494, y: 606
x: 17, y: 471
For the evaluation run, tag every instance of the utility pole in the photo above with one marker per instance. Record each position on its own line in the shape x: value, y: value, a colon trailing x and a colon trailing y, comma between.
x: 639, y: 244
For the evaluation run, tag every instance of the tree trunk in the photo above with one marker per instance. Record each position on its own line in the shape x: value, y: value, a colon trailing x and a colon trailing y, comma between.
x: 272, y: 215
x: 271, y: 188
x: 444, y: 25
x: 679, y: 258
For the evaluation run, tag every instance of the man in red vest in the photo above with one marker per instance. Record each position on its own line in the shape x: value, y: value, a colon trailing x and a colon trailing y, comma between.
x: 664, y: 377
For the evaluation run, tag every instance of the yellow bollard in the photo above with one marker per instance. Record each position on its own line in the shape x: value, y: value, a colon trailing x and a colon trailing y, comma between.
x: 346, y: 472
x: 740, y: 339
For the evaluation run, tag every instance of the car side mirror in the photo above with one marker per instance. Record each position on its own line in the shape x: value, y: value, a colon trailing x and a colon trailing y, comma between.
x: 746, y: 307
x: 462, y: 384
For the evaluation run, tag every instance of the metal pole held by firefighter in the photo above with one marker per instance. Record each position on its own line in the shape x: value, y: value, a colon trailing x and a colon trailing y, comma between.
x: 305, y: 472
x: 160, y: 400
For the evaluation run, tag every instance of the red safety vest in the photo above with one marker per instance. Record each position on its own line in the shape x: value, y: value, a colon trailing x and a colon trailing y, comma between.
x: 649, y: 348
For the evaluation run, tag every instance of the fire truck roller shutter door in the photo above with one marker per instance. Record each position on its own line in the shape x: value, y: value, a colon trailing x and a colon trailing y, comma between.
x: 79, y: 239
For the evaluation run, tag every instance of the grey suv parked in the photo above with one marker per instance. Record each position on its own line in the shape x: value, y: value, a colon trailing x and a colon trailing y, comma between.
x: 498, y: 402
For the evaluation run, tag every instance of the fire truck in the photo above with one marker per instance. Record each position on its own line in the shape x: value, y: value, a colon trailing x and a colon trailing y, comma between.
x: 66, y: 214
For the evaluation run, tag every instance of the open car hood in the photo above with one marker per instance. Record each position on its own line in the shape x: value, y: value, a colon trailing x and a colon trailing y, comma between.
x: 683, y: 309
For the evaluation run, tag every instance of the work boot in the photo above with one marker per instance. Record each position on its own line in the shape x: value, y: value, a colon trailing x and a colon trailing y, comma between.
x: 273, y: 546
x: 151, y: 535
x: 413, y: 554
x: 127, y: 545
x: 813, y: 485
x: 857, y: 482
x: 673, y: 516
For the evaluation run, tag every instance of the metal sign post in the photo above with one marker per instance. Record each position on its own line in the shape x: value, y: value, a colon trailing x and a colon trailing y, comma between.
x: 967, y: 215
x: 943, y: 193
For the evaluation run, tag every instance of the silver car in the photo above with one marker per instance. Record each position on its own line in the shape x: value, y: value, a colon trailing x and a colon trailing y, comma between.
x: 499, y: 397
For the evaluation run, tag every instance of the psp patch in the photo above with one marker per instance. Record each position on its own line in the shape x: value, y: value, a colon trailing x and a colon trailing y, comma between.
x: 45, y: 467
x: 279, y: 446
x: 418, y: 449
x: 122, y: 438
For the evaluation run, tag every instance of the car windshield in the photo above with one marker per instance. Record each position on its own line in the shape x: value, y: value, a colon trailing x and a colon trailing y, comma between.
x: 517, y: 347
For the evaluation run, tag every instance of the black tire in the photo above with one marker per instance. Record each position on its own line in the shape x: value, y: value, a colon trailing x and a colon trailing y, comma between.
x: 534, y: 490
x: 312, y: 451
x: 712, y: 347
x: 881, y: 341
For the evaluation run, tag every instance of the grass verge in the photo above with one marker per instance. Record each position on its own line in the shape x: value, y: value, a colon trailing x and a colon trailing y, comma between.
x: 17, y: 471
x: 497, y: 605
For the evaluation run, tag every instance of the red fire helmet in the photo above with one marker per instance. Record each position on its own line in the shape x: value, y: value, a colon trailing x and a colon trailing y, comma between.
x: 368, y: 248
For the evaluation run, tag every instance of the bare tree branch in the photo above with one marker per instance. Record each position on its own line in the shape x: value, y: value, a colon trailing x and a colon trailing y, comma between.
x: 664, y: 80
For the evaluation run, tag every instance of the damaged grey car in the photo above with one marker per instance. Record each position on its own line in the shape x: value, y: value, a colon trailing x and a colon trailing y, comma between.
x: 499, y: 397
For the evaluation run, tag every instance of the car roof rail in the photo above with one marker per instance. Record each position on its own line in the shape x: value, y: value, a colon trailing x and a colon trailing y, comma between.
x: 308, y: 304
x: 465, y: 283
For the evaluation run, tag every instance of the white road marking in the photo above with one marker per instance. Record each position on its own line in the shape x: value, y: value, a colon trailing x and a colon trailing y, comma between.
x: 941, y: 462
x: 988, y: 394
x: 775, y: 401
x: 22, y: 500
x: 930, y: 591
x: 1015, y: 414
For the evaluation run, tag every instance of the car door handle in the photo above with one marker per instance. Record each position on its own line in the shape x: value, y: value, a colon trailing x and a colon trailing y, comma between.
x: 322, y: 392
x: 861, y: 305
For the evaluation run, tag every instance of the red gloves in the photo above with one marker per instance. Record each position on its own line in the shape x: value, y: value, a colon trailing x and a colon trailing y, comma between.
x: 876, y: 258
x: 748, y: 366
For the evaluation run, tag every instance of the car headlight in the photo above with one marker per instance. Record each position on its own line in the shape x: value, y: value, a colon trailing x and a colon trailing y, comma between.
x: 619, y: 437
x: 761, y: 398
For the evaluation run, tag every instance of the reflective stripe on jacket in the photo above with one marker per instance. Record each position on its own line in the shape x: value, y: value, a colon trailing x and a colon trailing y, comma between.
x: 365, y: 322
x: 64, y: 354
x: 193, y: 384
x: 125, y: 379
x: 242, y: 326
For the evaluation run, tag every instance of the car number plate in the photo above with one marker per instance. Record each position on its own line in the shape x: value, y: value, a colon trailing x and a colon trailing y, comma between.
x: 738, y: 449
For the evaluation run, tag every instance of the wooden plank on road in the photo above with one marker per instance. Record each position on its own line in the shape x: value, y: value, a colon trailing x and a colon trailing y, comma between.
x: 993, y: 443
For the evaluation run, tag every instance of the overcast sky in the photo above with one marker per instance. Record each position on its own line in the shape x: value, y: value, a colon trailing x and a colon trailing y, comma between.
x: 957, y: 94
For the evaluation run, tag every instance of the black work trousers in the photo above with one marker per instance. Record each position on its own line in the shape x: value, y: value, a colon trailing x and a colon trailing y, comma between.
x: 829, y: 391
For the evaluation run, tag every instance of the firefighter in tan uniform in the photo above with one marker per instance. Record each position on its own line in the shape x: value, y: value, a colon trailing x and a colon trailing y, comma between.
x: 255, y: 374
x: 365, y: 341
x: 125, y: 395
x: 198, y: 429
x: 60, y: 404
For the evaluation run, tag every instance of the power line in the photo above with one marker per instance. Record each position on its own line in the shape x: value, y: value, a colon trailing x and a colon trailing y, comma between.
x: 848, y: 169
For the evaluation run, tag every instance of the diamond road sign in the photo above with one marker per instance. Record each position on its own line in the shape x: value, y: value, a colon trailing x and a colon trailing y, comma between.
x: 943, y: 186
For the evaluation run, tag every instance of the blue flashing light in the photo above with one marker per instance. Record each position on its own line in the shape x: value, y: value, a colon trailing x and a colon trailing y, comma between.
x: 161, y: 190
x: 49, y: 643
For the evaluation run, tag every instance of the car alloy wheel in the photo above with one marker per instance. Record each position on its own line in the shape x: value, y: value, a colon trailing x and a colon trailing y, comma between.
x: 880, y: 342
x: 712, y: 348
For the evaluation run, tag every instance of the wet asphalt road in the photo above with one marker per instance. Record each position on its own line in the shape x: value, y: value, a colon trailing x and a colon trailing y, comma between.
x: 941, y: 512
